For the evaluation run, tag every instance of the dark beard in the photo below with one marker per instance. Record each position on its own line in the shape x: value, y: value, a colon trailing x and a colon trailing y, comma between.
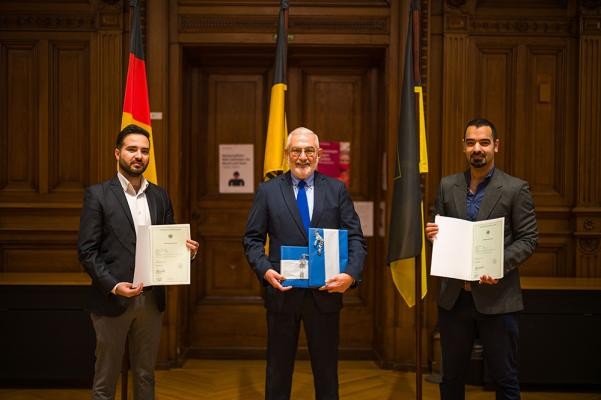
x: 478, y: 162
x: 129, y: 171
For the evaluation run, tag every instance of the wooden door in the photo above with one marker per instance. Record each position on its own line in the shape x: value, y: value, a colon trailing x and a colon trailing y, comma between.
x: 226, y: 96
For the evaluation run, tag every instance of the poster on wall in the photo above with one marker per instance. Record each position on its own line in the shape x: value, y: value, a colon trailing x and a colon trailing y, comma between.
x: 335, y: 160
x: 236, y: 168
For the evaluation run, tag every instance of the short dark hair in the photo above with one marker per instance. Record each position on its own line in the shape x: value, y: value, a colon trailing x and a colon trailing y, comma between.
x: 130, y: 129
x: 478, y: 122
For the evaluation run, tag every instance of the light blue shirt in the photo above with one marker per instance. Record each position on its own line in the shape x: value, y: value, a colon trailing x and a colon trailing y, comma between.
x: 309, y: 190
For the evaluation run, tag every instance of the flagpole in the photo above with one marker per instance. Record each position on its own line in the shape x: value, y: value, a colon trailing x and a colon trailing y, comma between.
x: 415, y: 14
x: 125, y: 361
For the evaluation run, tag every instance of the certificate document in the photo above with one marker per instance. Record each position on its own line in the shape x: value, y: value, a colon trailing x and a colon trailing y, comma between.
x: 467, y: 250
x: 162, y: 257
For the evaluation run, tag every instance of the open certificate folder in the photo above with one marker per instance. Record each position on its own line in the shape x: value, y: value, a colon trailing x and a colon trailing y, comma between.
x: 467, y: 250
x: 162, y: 257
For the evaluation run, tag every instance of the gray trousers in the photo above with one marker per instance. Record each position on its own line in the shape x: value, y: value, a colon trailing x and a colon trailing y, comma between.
x: 140, y: 324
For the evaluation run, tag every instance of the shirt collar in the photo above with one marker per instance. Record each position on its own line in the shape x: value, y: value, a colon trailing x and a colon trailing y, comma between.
x: 309, y: 181
x: 128, y: 187
x: 468, y: 176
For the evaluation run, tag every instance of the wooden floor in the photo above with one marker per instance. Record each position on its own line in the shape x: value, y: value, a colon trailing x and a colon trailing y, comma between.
x: 244, y: 380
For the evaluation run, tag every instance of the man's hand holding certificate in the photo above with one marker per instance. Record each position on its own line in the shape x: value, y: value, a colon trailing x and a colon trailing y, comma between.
x: 162, y: 256
x: 468, y: 250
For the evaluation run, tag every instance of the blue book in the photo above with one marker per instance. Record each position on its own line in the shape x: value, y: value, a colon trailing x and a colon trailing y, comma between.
x: 310, y: 267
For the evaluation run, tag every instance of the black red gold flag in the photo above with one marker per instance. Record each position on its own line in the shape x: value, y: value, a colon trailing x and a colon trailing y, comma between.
x: 136, y: 108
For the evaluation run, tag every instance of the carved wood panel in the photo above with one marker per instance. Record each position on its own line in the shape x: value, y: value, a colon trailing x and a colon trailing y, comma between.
x: 61, y: 62
x: 19, y: 61
x: 69, y: 116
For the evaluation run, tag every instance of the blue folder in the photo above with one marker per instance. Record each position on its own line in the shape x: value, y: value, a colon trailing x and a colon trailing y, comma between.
x: 311, y: 266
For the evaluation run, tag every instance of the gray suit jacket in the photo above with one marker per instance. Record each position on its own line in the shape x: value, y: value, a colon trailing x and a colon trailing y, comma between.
x: 505, y: 196
x: 107, y: 242
x: 275, y: 213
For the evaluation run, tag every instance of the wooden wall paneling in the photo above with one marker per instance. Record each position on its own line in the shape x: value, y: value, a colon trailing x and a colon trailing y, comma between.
x: 229, y: 105
x: 492, y: 77
x: 588, y: 209
x: 556, y: 247
x: 53, y: 66
x: 552, y: 258
x: 547, y: 159
x: 68, y: 136
x: 107, y: 105
x: 455, y: 99
x: 19, y: 103
x: 333, y: 109
x: 51, y: 258
x: 157, y: 34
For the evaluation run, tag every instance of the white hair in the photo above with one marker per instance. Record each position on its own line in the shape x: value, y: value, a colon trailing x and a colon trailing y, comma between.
x: 301, y: 130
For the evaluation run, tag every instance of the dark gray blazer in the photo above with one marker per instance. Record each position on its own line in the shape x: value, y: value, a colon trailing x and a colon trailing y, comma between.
x: 274, y: 212
x: 107, y: 242
x: 505, y: 196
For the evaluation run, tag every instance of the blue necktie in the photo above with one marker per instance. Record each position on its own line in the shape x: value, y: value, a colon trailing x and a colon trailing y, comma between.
x: 303, y: 205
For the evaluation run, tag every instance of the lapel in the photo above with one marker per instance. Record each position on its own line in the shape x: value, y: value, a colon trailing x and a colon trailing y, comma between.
x: 459, y: 196
x: 492, y: 194
x: 125, y: 232
x: 117, y: 190
x: 318, y: 193
x: 153, y: 203
x: 288, y: 193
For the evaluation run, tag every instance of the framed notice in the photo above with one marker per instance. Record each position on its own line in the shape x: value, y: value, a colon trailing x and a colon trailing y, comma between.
x: 236, y: 168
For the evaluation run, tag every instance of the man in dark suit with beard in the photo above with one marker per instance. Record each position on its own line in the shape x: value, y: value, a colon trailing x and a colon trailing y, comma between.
x: 107, y: 246
x: 488, y: 307
x: 275, y: 212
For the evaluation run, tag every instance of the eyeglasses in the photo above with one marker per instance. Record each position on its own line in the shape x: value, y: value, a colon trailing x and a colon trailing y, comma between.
x: 472, y: 142
x: 297, y: 151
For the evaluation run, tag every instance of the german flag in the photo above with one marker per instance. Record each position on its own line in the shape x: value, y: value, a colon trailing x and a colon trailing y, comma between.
x: 136, y: 108
x: 277, y: 132
x: 406, y: 236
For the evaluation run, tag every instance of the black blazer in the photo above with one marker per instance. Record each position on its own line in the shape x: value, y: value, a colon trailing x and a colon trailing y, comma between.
x: 505, y: 196
x: 107, y: 242
x: 274, y: 212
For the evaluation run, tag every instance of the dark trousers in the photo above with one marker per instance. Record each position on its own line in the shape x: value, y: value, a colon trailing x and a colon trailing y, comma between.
x: 499, y: 335
x: 140, y: 324
x: 321, y: 330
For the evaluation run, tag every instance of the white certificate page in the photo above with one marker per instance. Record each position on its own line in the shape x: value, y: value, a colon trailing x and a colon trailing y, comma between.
x: 467, y: 250
x: 162, y: 257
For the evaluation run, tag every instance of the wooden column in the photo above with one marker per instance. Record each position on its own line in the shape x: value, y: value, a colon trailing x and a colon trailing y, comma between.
x: 588, y: 209
x: 455, y: 90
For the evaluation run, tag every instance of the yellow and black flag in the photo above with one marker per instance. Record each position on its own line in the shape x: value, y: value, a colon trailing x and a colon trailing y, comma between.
x: 136, y: 108
x: 275, y: 160
x: 406, y: 234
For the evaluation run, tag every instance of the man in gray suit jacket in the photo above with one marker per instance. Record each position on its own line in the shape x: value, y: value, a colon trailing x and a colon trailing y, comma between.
x: 275, y: 213
x: 490, y: 306
x: 120, y: 308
